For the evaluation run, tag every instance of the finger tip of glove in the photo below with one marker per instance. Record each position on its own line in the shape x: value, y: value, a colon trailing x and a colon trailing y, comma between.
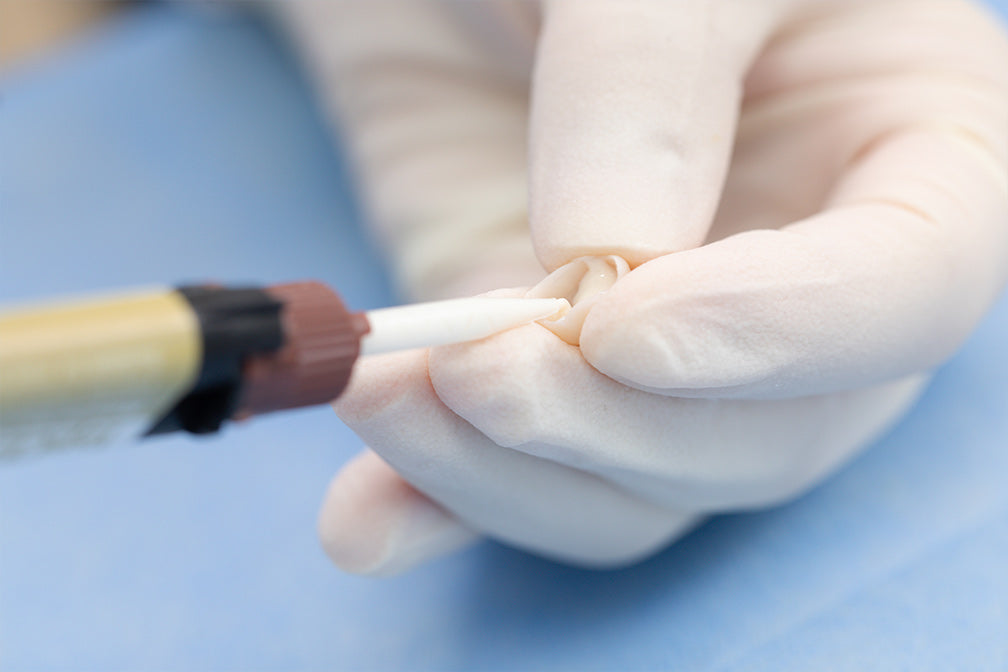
x: 374, y: 523
x: 649, y: 337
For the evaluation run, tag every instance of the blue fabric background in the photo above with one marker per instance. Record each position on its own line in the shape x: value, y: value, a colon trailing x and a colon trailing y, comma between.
x: 180, y: 145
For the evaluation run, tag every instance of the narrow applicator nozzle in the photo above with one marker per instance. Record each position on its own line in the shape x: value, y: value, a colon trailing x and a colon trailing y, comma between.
x: 453, y: 321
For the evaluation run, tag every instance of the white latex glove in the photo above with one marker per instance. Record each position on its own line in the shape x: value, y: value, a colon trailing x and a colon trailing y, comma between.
x: 813, y: 197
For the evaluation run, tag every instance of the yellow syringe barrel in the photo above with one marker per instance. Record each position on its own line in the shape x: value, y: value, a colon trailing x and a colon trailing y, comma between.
x: 94, y: 371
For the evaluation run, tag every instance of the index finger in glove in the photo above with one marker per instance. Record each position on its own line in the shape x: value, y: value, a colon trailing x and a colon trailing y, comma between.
x: 634, y: 105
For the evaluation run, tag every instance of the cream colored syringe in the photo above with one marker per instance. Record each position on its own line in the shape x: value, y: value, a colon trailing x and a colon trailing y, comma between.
x: 94, y: 371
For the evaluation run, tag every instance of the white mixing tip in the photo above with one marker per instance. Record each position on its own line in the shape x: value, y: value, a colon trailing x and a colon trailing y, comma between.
x: 453, y: 321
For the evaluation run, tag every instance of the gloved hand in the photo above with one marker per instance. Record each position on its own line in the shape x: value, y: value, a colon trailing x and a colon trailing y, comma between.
x: 813, y: 200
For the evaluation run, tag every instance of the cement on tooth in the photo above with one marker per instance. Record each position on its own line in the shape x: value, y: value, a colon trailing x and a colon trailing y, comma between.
x: 580, y: 281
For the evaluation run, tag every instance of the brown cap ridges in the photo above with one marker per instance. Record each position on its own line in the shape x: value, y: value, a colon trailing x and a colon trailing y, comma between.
x: 321, y: 343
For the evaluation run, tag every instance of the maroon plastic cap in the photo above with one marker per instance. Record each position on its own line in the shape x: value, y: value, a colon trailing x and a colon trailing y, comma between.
x: 321, y: 344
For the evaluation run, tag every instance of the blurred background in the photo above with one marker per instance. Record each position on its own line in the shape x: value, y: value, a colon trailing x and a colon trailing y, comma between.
x: 160, y: 143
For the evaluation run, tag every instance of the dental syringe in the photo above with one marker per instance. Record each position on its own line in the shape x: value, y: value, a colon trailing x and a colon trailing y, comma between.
x: 94, y: 371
